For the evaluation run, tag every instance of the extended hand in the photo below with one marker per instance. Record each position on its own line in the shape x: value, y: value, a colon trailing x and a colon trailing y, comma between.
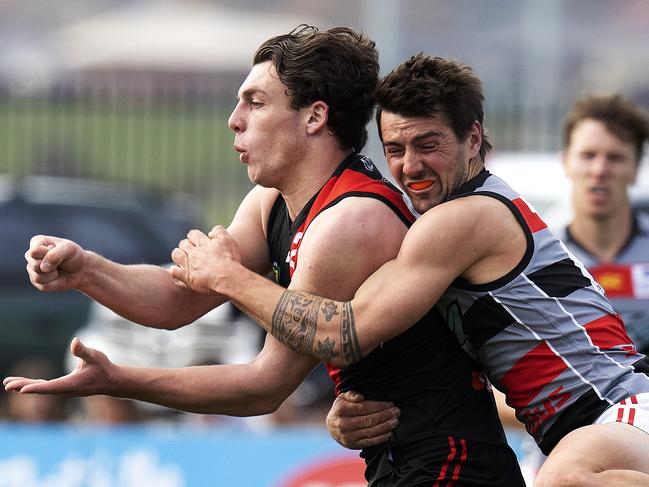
x: 202, y: 260
x: 91, y: 376
x: 54, y: 264
x: 356, y: 423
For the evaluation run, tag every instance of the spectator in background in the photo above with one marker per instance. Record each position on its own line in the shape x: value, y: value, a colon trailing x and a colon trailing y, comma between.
x: 604, y: 138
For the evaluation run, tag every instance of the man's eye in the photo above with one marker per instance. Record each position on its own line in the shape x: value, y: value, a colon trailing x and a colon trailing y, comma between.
x: 256, y: 104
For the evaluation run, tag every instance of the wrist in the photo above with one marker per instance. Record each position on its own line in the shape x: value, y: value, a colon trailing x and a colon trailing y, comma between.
x: 224, y: 281
x: 84, y: 274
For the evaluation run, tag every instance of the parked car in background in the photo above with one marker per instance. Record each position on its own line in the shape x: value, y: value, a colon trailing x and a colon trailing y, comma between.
x: 124, y: 225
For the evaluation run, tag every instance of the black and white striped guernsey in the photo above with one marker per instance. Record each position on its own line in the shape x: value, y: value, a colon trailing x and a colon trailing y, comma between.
x: 545, y: 333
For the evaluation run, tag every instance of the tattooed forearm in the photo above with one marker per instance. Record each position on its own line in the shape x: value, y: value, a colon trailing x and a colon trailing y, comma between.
x: 295, y: 323
x: 326, y: 350
x: 295, y: 320
x: 349, y: 340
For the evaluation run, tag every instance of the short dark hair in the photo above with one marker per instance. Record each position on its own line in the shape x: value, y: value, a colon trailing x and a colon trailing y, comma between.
x: 424, y: 86
x: 338, y: 66
x: 619, y: 115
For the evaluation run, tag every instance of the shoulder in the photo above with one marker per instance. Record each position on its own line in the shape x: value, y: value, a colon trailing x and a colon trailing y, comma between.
x: 358, y: 217
x: 345, y: 244
x: 465, y: 213
x: 254, y: 210
x: 474, y: 226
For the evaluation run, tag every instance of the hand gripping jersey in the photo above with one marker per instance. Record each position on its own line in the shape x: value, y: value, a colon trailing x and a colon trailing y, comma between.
x: 440, y: 390
x: 545, y: 332
x: 625, y: 280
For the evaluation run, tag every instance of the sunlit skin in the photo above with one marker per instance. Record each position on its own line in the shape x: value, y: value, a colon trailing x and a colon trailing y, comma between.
x: 269, y: 133
x: 426, y: 157
x: 601, y: 167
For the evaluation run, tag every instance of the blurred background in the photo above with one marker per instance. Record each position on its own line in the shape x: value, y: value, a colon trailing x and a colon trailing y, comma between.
x: 113, y: 132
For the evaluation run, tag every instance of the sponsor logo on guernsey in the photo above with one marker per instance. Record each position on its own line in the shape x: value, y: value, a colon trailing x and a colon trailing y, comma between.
x: 291, y: 257
x: 616, y: 279
x: 369, y: 165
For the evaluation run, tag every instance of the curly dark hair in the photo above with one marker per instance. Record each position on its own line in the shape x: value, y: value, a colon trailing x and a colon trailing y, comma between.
x: 620, y: 116
x: 424, y: 86
x: 338, y: 66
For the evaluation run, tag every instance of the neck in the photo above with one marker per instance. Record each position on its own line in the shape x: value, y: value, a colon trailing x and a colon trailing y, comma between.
x: 603, y: 237
x: 308, y: 177
x: 475, y: 166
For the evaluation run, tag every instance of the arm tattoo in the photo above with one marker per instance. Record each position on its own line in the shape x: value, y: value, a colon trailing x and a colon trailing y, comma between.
x: 295, y: 322
x: 349, y: 340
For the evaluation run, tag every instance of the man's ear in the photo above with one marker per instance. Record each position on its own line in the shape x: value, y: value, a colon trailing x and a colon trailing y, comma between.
x: 318, y: 114
x: 475, y: 139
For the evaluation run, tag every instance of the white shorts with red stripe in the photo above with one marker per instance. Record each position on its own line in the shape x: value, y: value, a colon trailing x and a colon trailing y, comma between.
x: 633, y: 410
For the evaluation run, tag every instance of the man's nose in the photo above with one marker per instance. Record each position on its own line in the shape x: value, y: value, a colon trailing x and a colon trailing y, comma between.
x: 600, y: 166
x: 235, y: 121
x: 412, y: 166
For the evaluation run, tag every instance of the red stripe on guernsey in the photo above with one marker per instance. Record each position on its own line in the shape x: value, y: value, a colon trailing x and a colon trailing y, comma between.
x: 620, y: 414
x: 349, y: 181
x: 449, y: 459
x: 608, y: 332
x: 359, y: 182
x: 458, y: 467
x: 615, y: 279
x: 334, y: 374
x: 532, y: 218
x: 531, y: 374
x: 634, y: 400
x: 631, y: 416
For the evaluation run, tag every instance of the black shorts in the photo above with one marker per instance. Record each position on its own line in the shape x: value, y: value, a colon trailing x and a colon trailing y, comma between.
x: 444, y: 461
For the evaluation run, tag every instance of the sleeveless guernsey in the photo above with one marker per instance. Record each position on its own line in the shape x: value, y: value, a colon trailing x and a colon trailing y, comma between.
x: 545, y: 333
x: 441, y: 391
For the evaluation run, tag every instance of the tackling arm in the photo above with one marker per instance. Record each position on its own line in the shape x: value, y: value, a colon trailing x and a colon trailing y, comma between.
x: 432, y: 256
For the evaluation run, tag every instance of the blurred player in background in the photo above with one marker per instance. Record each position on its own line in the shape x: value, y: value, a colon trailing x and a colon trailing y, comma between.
x: 604, y: 141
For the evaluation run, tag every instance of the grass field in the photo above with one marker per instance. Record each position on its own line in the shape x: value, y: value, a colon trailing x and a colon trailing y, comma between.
x: 173, y: 146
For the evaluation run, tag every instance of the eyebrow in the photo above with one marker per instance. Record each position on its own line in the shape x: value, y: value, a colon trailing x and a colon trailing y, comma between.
x: 250, y: 92
x: 419, y: 138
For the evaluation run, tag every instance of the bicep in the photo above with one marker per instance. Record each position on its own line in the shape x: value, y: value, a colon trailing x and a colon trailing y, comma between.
x: 403, y: 290
x: 344, y: 245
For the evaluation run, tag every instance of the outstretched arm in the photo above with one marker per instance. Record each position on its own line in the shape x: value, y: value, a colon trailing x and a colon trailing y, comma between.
x: 144, y: 294
x: 258, y: 387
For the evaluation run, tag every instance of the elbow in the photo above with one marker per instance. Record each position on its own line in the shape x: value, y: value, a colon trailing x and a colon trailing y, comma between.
x: 261, y: 406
